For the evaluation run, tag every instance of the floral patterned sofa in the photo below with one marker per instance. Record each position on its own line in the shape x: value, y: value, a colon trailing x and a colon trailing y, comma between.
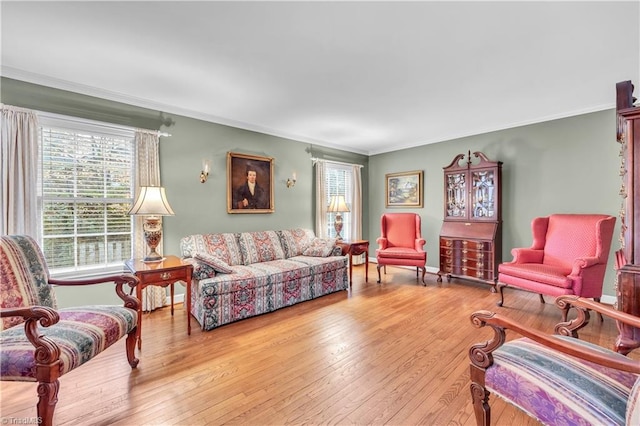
x: 240, y: 275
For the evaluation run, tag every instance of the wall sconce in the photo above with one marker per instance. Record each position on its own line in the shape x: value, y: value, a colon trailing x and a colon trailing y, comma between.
x: 206, y: 166
x: 292, y: 180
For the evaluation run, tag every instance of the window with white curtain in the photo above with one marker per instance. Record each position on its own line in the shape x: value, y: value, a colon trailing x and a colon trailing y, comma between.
x: 86, y: 178
x: 339, y: 181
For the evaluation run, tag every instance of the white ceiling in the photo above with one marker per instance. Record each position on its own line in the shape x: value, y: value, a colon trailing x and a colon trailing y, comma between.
x: 367, y: 77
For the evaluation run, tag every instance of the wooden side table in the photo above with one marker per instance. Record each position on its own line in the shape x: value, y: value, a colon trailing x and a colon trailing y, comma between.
x: 356, y: 248
x: 164, y: 273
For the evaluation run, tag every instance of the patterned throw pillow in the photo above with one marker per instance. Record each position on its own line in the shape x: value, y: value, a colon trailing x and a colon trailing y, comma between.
x: 215, y: 262
x: 633, y: 405
x: 260, y: 246
x: 320, y: 247
x: 294, y: 241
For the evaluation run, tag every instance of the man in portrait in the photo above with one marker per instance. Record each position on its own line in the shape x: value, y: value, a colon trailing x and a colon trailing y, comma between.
x: 250, y: 195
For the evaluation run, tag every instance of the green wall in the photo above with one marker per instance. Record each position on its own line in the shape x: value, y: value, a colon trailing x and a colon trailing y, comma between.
x: 567, y: 165
x: 562, y: 166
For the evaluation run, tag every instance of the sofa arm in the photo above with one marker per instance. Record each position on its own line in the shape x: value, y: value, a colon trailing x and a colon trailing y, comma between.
x: 119, y: 280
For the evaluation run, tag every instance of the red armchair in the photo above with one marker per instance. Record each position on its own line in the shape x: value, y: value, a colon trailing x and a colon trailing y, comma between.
x: 568, y: 256
x: 401, y: 243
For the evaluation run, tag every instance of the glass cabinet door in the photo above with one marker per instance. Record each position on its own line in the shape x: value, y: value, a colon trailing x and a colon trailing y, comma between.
x: 483, y: 193
x: 456, y: 195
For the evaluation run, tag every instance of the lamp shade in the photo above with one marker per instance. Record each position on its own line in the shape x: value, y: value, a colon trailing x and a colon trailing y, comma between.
x: 151, y: 201
x: 338, y: 204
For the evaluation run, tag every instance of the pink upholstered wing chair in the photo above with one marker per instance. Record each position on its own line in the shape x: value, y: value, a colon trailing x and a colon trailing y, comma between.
x: 401, y: 243
x: 568, y: 256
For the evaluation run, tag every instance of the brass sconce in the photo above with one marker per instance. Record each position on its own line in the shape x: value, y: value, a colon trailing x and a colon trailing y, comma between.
x: 206, y: 166
x: 291, y: 181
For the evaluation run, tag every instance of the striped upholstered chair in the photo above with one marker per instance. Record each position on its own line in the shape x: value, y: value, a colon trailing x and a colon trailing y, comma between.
x: 67, y: 337
x: 556, y: 378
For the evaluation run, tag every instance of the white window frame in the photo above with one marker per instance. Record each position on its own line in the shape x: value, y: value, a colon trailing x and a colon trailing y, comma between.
x: 345, y: 188
x: 78, y: 125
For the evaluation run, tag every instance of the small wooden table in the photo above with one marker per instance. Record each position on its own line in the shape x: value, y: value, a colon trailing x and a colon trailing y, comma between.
x: 164, y: 273
x: 356, y: 248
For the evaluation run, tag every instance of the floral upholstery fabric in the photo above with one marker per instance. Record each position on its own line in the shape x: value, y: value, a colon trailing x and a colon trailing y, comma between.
x: 259, y: 287
x: 555, y: 388
x: 294, y: 241
x: 261, y: 246
x: 215, y: 262
x: 81, y: 334
x: 24, y: 277
x: 320, y: 247
x: 225, y: 246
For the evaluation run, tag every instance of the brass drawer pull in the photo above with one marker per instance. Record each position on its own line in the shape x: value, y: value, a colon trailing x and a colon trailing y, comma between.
x: 165, y: 275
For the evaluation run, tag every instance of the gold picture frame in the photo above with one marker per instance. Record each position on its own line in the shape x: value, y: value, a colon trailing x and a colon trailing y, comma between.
x: 404, y: 189
x: 249, y: 183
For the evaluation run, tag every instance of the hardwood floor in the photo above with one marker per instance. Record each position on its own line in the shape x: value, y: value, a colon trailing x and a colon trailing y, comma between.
x: 392, y: 353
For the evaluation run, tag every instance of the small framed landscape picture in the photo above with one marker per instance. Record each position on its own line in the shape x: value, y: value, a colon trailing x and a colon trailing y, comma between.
x: 404, y: 189
x: 249, y: 183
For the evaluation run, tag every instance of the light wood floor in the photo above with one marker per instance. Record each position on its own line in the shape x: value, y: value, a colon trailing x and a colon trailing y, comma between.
x: 392, y: 353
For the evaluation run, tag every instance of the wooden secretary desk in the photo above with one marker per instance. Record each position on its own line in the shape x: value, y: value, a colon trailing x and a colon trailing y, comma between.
x: 628, y: 277
x: 471, y: 233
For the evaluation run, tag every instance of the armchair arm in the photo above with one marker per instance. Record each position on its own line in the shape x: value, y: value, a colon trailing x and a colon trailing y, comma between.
x: 47, y: 352
x: 481, y: 354
x: 419, y: 244
x: 527, y: 255
x: 582, y: 263
x: 382, y: 242
x: 119, y: 280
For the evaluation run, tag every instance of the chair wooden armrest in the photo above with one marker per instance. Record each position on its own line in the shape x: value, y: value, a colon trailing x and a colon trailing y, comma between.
x: 540, y: 370
x: 119, y: 280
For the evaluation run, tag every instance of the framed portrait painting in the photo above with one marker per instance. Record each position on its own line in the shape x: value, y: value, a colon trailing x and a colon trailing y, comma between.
x: 404, y: 189
x: 249, y: 183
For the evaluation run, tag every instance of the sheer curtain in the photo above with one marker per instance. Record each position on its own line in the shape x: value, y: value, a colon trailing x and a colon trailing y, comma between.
x: 147, y: 174
x: 321, y: 199
x: 19, y: 171
x: 355, y: 201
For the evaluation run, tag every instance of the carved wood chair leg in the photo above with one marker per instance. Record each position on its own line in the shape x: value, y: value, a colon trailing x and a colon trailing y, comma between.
x: 378, y: 268
x: 541, y: 298
x: 424, y: 271
x: 501, y: 291
x: 130, y: 345
x: 47, y: 399
x: 597, y: 299
x: 481, y: 408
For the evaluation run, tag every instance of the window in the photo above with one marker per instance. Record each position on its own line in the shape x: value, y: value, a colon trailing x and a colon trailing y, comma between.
x: 339, y: 181
x: 85, y: 191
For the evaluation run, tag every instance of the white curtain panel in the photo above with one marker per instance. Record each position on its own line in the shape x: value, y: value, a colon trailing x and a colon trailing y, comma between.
x: 147, y: 174
x: 19, y: 170
x: 321, y: 200
x: 356, y: 209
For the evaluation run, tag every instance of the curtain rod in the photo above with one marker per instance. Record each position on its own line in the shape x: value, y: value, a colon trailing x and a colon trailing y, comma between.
x: 95, y: 122
x: 314, y: 159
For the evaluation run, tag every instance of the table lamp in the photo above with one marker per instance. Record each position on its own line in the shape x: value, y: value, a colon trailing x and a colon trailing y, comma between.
x: 338, y: 205
x: 152, y: 203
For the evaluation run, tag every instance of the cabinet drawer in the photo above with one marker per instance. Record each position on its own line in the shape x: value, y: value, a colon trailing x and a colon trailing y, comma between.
x: 164, y: 276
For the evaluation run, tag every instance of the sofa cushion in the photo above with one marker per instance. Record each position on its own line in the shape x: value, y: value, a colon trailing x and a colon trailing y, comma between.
x: 215, y: 262
x: 260, y: 246
x: 223, y: 245
x: 320, y: 247
x: 294, y: 241
x: 201, y: 271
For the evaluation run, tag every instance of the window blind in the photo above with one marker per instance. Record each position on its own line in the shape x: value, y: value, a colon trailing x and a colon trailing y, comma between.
x: 86, y: 189
x: 338, y: 181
